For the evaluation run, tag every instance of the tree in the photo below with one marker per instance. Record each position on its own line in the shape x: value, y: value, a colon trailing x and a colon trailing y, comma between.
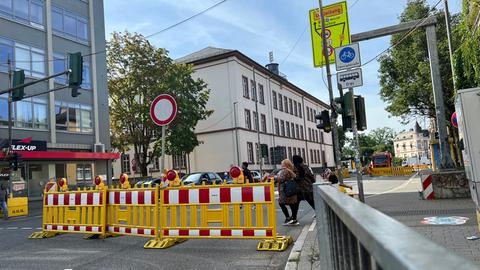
x: 405, y: 78
x: 137, y: 73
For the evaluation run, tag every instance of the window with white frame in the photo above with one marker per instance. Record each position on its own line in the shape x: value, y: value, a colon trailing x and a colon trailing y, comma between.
x: 254, y: 90
x: 70, y: 25
x: 293, y: 130
x: 27, y: 113
x: 245, y: 87
x: 297, y: 131
x: 295, y: 108
x: 73, y: 117
x: 261, y: 94
x: 300, y: 109
x: 277, y: 128
x: 179, y: 161
x: 84, y: 172
x: 301, y: 132
x: 282, y: 127
x: 248, y: 121
x: 22, y: 56
x: 280, y: 104
x: 285, y: 104
x: 290, y: 103
x: 274, y: 100
x: 263, y: 120
x: 287, y: 128
x: 255, y: 121
x: 25, y: 11
x: 125, y: 163
x: 250, y: 152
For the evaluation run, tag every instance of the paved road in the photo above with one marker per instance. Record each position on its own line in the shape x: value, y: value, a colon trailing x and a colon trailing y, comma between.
x: 70, y: 251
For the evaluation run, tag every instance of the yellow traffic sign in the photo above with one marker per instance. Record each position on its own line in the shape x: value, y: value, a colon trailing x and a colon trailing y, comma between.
x: 337, y: 31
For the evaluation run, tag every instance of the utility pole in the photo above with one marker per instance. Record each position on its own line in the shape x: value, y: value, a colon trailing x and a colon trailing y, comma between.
x: 358, y: 163
x: 330, y: 92
x: 447, y: 21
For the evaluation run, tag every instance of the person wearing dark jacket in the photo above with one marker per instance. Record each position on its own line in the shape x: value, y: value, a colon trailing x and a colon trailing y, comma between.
x: 3, y: 200
x: 247, y: 173
x: 305, y: 180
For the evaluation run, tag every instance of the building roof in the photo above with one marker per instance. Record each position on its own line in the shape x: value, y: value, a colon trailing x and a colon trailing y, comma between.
x: 210, y: 54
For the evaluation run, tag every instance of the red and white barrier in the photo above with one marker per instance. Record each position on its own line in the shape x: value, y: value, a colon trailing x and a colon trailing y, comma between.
x: 146, y: 197
x: 220, y: 233
x: 74, y: 199
x: 217, y: 195
x: 73, y: 228
x: 427, y: 186
x: 131, y: 231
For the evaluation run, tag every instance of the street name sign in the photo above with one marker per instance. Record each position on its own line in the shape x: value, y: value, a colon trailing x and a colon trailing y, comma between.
x: 163, y: 110
x: 337, y: 31
x: 350, y: 78
x: 347, y: 57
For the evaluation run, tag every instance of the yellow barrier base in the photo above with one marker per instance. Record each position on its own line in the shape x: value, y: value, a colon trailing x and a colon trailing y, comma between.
x: 164, y: 243
x: 280, y: 244
x: 40, y: 235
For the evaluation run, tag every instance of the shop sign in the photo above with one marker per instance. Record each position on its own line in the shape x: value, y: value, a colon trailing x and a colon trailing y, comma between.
x: 26, y: 144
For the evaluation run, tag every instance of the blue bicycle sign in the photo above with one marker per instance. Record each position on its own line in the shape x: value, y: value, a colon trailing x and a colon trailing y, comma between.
x: 347, y: 55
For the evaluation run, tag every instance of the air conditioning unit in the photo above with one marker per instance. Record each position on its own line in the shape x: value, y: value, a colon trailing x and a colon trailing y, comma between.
x: 99, y: 148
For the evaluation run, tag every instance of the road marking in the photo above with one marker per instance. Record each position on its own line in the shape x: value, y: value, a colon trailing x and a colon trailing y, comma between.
x: 27, y: 228
x: 12, y: 228
x: 395, y: 188
x: 312, y: 226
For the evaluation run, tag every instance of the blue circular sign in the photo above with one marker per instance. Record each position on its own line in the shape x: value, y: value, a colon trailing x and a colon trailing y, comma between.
x: 347, y: 55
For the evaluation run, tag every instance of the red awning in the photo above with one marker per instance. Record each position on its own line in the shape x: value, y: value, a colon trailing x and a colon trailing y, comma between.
x: 45, y: 155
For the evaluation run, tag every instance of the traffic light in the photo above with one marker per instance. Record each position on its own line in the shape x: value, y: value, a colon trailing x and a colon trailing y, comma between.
x: 360, y: 113
x: 324, y: 117
x: 18, y: 79
x: 345, y: 108
x: 14, y: 161
x: 75, y: 77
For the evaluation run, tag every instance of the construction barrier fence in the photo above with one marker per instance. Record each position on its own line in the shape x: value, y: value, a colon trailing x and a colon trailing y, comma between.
x: 168, y: 216
x: 393, y: 171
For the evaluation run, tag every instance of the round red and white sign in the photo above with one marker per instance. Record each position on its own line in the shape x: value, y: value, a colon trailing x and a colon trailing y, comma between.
x: 163, y: 110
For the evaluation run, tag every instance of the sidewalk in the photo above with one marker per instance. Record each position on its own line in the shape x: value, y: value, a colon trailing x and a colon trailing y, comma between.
x: 305, y: 253
x: 409, y: 209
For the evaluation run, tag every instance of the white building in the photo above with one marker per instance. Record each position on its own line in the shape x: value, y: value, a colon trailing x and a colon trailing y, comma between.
x: 229, y: 136
x: 412, y: 144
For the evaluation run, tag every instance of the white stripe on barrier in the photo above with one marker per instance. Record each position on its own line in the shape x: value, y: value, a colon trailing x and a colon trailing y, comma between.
x: 214, y: 195
x: 236, y: 194
x: 71, y: 199
x: 428, y: 190
x: 135, y: 197
x: 237, y: 232
x: 111, y: 198
x: 193, y: 196
x: 83, y: 199
x: 215, y: 233
x: 173, y: 197
x: 49, y: 227
x: 173, y: 233
x: 134, y: 231
x: 96, y: 198
x: 147, y: 231
x: 60, y: 199
x: 194, y: 232
x: 258, y: 194
x: 50, y: 199
x: 123, y: 196
x: 70, y: 228
x: 95, y: 229
x: 147, y: 196
x: 121, y: 230
x: 83, y: 228
x: 260, y: 232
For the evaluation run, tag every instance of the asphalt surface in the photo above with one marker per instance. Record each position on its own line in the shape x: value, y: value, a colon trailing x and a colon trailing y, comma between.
x: 71, y: 251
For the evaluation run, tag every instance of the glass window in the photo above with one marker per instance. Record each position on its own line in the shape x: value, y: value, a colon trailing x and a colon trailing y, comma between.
x: 86, y: 83
x: 59, y: 65
x: 248, y: 122
x: 280, y: 104
x: 261, y: 94
x: 3, y: 111
x: 264, y: 122
x: 274, y: 97
x: 255, y: 121
x: 6, y: 52
x: 21, y: 9
x: 57, y: 19
x: 250, y: 152
x: 282, y: 127
x: 6, y: 6
x: 61, y: 116
x: 86, y: 120
x: 288, y: 129
x: 285, y: 99
x: 69, y: 24
x: 40, y: 115
x: 125, y: 162
x: 254, y: 90
x: 36, y: 12
x: 245, y: 87
x: 38, y: 64
x: 277, y: 131
x: 82, y: 29
x: 74, y: 118
x: 23, y: 117
x: 22, y: 57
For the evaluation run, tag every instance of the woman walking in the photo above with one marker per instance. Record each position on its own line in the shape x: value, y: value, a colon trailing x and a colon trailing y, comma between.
x: 287, y: 174
x: 305, y: 180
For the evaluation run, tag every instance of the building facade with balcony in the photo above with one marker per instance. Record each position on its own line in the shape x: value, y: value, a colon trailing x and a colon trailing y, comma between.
x: 413, y: 144
x: 70, y: 135
x: 253, y: 106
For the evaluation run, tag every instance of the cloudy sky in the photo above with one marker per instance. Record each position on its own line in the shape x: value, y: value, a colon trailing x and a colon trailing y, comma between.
x: 256, y: 27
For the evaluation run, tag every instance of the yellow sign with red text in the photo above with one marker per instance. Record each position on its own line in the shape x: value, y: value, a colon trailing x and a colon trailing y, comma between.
x: 337, y: 31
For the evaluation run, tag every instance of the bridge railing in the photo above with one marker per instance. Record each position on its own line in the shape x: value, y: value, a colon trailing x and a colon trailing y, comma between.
x: 352, y: 235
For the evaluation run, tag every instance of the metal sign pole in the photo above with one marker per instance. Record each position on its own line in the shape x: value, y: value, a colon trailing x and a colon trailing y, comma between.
x: 358, y: 164
x: 330, y: 92
x: 162, y: 164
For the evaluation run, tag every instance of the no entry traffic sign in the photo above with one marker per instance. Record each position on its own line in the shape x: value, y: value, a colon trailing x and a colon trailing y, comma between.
x: 163, y: 110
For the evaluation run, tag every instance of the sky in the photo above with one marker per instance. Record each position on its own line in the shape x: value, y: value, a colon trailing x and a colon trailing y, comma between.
x: 256, y: 27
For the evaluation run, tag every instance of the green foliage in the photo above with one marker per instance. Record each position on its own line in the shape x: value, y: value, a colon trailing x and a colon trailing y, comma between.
x: 397, y: 161
x: 137, y: 73
x: 377, y: 140
x: 405, y: 70
x: 467, y: 55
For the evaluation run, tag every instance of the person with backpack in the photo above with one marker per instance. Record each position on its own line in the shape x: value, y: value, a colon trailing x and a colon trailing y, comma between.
x: 247, y: 173
x: 305, y: 180
x: 287, y: 193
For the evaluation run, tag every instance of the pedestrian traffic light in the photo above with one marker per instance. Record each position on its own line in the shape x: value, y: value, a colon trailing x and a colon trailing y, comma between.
x: 344, y: 106
x: 324, y: 117
x: 360, y: 113
x: 18, y: 79
x: 75, y: 76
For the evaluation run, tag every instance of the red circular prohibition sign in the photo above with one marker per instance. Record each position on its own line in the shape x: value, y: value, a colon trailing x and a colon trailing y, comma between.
x: 163, y: 117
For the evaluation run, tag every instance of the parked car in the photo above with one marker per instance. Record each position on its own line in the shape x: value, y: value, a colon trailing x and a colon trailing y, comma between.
x: 257, y: 177
x: 152, y: 182
x: 199, y: 177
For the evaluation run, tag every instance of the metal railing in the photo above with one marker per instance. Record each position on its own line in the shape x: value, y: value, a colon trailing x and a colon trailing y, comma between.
x: 352, y: 235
